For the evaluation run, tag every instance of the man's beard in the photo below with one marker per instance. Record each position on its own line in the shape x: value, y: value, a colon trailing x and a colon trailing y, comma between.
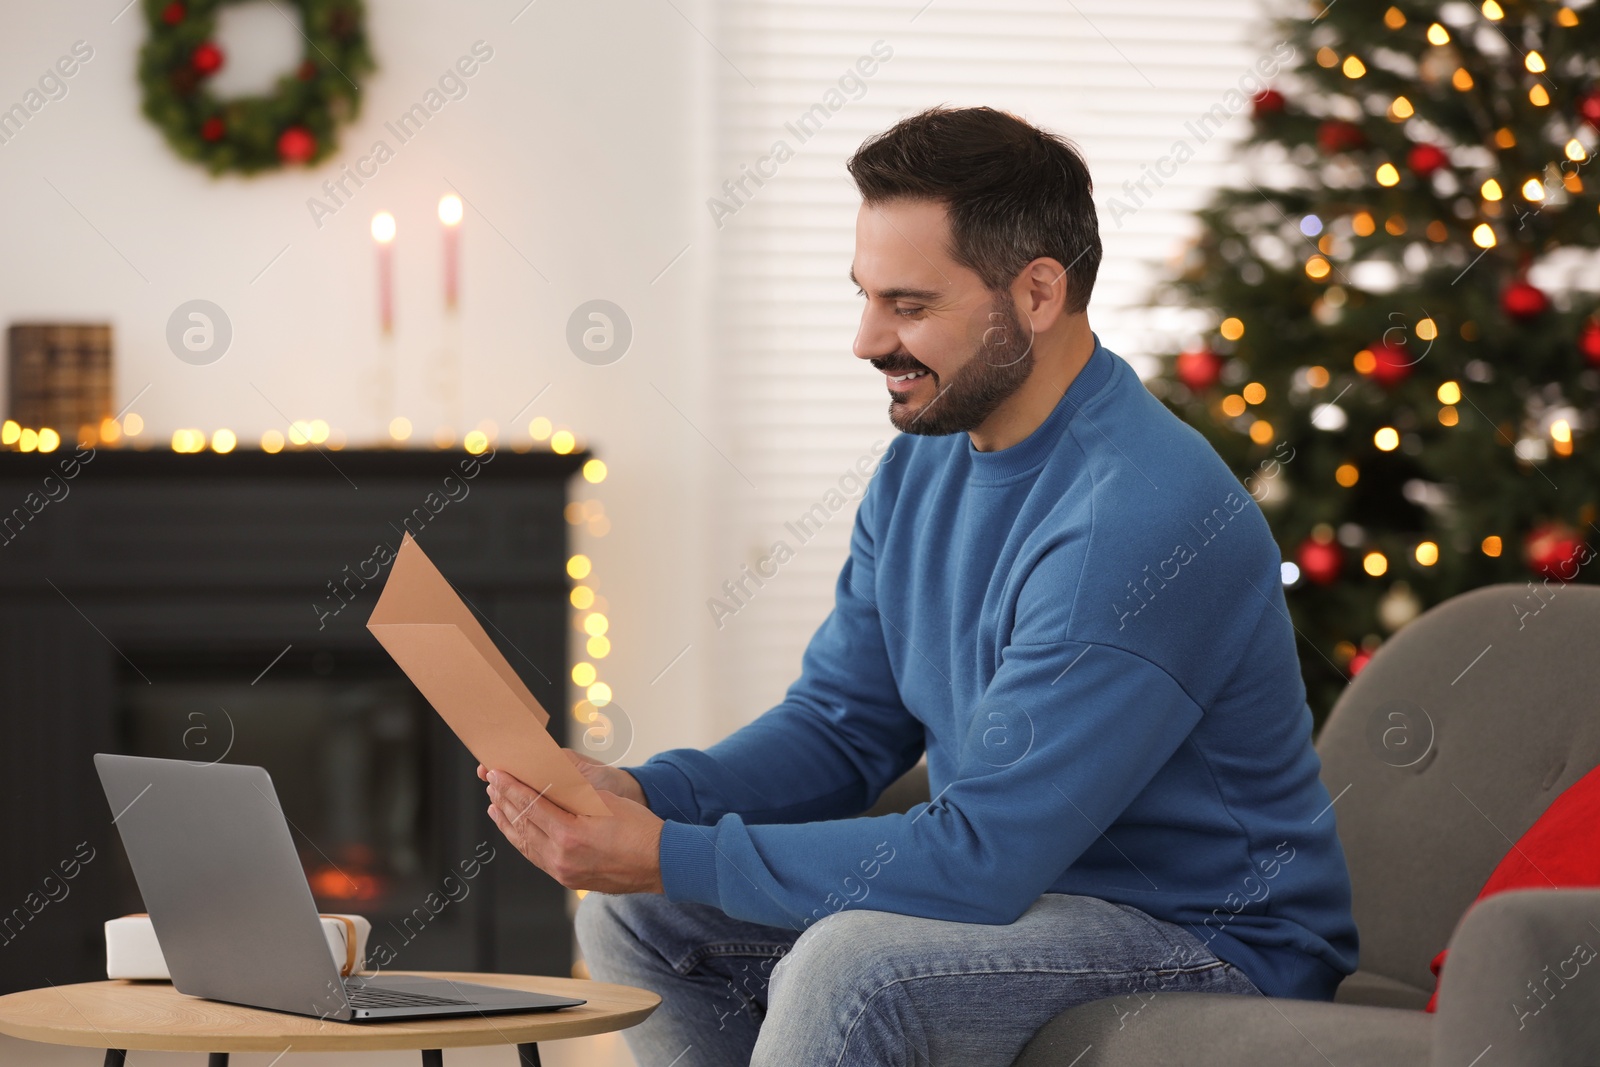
x: 1002, y: 362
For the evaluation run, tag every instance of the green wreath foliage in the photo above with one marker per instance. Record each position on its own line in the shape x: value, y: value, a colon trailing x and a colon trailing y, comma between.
x: 298, y: 123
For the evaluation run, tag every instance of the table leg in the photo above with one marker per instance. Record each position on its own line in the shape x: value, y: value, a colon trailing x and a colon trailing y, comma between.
x: 528, y: 1054
x: 432, y: 1057
x: 217, y: 1059
x: 116, y: 1057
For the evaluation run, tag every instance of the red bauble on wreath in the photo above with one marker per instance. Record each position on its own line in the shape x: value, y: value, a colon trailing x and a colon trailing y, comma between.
x: 1337, y: 135
x: 1589, y: 341
x: 1320, y: 561
x: 1199, y: 369
x: 206, y: 59
x: 1424, y: 159
x: 1267, y: 102
x: 1555, y: 550
x: 1524, y: 302
x: 173, y: 13
x: 296, y: 145
x: 212, y: 129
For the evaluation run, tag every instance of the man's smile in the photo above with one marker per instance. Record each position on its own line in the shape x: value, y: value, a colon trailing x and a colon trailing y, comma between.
x: 907, y: 382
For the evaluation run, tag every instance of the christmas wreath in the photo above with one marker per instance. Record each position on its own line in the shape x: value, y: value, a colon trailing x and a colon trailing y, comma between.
x: 296, y: 124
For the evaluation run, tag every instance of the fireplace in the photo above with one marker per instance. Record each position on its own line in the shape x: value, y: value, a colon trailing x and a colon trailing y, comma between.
x: 212, y: 607
x: 350, y: 748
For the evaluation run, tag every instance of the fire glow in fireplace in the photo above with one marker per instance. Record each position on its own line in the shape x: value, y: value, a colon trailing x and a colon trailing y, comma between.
x: 347, y: 746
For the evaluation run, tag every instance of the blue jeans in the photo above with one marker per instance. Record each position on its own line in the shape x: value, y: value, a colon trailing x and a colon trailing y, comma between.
x: 871, y: 987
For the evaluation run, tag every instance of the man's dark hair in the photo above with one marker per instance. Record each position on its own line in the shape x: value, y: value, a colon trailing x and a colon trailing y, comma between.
x: 1013, y: 192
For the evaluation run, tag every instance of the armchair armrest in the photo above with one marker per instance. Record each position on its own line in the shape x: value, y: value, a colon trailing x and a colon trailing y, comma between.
x: 1523, y: 976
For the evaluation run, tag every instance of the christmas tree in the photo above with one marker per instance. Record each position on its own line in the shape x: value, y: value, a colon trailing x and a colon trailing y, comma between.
x: 1411, y: 411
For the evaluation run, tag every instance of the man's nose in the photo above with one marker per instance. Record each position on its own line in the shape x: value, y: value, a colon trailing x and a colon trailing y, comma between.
x: 875, y: 337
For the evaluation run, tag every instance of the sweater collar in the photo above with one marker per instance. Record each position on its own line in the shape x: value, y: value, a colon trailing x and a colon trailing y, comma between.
x: 1028, y: 453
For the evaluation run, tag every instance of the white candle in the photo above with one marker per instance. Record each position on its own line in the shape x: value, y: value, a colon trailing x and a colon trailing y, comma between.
x: 450, y: 213
x: 383, y: 231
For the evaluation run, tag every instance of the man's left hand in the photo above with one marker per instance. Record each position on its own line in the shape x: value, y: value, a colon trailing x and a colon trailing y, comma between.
x: 621, y: 854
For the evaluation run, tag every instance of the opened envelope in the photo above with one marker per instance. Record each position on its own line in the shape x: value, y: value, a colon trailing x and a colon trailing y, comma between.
x: 433, y: 636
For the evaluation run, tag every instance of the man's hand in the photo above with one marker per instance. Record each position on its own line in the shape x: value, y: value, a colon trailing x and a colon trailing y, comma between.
x: 621, y: 854
x: 599, y: 775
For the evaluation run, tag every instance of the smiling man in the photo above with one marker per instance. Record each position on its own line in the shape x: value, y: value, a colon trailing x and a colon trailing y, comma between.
x: 1059, y: 594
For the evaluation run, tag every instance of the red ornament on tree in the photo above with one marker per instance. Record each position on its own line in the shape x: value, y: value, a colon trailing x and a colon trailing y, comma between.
x: 1589, y: 108
x: 1267, y: 102
x: 1199, y: 369
x: 212, y: 129
x: 296, y: 145
x: 1589, y: 341
x: 1555, y: 550
x: 1524, y: 302
x: 1391, y: 364
x: 173, y: 13
x: 1337, y: 135
x: 1320, y: 561
x: 1359, y: 661
x: 206, y: 59
x: 1424, y: 159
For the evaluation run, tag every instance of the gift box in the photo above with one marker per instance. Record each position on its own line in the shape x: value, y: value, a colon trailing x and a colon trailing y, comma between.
x: 132, y: 950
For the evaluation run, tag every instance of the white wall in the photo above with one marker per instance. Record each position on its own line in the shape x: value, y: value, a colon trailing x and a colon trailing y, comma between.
x: 578, y: 142
x: 588, y: 147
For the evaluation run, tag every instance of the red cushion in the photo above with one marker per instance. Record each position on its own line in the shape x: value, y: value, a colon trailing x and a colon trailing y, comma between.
x: 1559, y: 851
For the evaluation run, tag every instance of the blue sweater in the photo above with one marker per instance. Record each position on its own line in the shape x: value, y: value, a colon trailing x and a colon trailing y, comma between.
x: 1086, y: 633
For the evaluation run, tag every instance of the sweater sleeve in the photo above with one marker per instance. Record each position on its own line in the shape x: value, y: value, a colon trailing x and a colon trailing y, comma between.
x: 1065, y: 736
x: 839, y: 738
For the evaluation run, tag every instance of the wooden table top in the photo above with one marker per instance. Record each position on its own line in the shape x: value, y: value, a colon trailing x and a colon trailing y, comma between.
x: 152, y: 1015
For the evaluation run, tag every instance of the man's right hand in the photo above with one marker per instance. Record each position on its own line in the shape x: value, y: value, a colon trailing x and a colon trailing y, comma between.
x: 599, y: 775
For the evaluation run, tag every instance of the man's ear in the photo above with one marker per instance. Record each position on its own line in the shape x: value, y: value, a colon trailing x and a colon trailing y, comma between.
x: 1040, y: 293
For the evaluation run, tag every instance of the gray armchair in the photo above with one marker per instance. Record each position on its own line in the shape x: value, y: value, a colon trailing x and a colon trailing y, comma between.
x: 1459, y: 733
x: 1441, y: 753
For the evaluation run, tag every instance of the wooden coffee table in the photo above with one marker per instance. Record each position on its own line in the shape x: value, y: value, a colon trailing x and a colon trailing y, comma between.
x: 122, y: 1015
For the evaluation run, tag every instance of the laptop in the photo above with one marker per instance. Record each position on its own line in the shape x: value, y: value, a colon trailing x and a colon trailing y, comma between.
x: 232, y: 910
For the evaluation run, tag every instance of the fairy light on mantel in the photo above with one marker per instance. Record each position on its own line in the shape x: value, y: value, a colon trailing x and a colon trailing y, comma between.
x: 311, y: 434
x: 15, y: 437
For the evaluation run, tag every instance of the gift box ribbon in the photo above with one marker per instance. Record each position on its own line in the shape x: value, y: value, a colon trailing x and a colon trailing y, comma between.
x: 349, y: 939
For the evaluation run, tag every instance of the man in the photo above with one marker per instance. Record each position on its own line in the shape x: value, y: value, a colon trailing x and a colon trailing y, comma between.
x: 1059, y: 593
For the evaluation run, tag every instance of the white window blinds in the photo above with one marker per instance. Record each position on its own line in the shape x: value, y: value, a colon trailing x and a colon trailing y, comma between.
x: 793, y: 98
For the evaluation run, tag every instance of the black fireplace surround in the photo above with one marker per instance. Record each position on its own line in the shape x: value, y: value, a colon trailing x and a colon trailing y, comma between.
x: 210, y: 607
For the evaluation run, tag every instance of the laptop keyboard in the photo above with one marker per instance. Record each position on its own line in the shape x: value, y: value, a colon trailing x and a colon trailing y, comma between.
x: 366, y: 996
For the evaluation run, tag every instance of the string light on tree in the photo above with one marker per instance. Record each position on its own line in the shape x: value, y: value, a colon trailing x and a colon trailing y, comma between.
x: 1398, y: 606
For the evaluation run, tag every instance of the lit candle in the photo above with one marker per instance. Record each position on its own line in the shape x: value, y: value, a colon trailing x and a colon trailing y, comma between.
x: 450, y: 214
x: 383, y: 230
